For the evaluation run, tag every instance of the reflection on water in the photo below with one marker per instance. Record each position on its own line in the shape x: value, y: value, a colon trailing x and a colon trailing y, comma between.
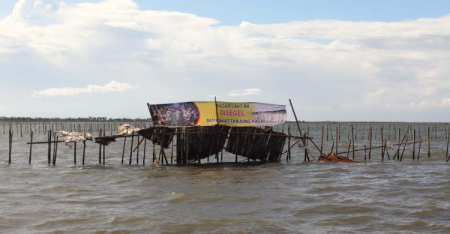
x: 291, y: 197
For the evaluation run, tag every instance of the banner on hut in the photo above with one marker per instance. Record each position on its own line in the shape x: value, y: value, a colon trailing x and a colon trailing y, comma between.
x: 229, y: 113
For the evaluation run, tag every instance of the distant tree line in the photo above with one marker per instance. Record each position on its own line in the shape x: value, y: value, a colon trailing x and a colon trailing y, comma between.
x: 79, y: 119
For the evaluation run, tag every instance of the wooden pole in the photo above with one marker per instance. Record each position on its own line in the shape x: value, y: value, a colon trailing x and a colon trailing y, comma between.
x: 414, y: 145
x: 398, y: 148
x: 31, y: 146
x: 84, y: 150
x: 49, y: 146
x: 428, y: 138
x: 123, y: 148
x: 289, y: 144
x: 145, y: 149
x: 75, y: 153
x: 365, y: 153
x: 131, y: 148
x: 418, y: 153
x: 382, y: 144
x: 370, y: 142
x: 10, y: 145
x: 353, y: 143
x: 321, y: 142
x: 336, y: 137
x: 448, y: 139
x: 348, y: 149
x: 137, y: 152
x: 100, y: 149
x: 171, y: 153
x: 56, y: 151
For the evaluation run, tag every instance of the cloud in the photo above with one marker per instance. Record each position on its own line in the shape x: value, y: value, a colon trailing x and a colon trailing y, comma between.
x: 386, y: 67
x: 112, y: 86
x: 445, y: 102
x: 245, y: 92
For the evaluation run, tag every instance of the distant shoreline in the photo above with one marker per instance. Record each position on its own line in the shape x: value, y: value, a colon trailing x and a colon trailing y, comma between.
x: 29, y: 119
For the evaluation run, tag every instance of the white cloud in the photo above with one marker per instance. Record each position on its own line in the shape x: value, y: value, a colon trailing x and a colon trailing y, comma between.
x: 445, y: 102
x: 212, y: 96
x: 374, y: 65
x: 245, y: 92
x: 112, y: 86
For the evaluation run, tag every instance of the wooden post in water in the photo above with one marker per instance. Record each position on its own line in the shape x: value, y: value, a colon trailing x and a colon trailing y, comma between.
x: 448, y: 139
x: 131, y: 148
x: 31, y: 146
x: 398, y: 148
x: 84, y: 150
x: 137, y: 151
x: 353, y: 143
x: 289, y: 144
x: 370, y: 141
x: 382, y: 143
x: 327, y: 131
x: 365, y: 153
x: 348, y: 149
x: 418, y: 153
x: 75, y: 153
x: 145, y: 150
x: 414, y: 145
x: 10, y: 146
x: 123, y: 148
x: 55, y: 153
x: 100, y: 149
x: 428, y: 137
x: 337, y: 137
x: 321, y: 142
x: 171, y: 152
x: 49, y: 146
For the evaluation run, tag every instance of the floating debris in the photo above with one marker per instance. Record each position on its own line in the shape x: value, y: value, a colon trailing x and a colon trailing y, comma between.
x: 330, y: 157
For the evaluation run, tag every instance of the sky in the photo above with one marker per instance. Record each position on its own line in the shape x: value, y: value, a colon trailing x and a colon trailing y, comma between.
x: 339, y: 60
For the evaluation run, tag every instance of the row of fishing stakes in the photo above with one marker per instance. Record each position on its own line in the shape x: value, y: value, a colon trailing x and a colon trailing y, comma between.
x: 356, y: 132
x: 402, y: 141
x: 360, y: 130
x: 22, y: 128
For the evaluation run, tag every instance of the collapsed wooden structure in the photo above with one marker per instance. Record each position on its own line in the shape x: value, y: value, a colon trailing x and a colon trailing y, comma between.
x: 194, y: 144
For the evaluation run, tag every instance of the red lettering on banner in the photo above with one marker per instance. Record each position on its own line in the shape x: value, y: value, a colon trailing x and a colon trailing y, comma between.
x: 232, y: 112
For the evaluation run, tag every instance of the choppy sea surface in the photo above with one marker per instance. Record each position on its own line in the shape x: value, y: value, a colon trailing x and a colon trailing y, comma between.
x: 287, y: 197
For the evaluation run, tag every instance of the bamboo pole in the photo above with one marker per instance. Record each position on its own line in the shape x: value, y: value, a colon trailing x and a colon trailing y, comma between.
x: 337, y: 143
x: 353, y: 143
x: 84, y: 150
x: 145, y: 149
x: 55, y: 154
x: 100, y: 149
x: 171, y: 153
x: 31, y: 147
x: 137, y: 152
x: 448, y: 139
x: 289, y: 144
x: 123, y: 148
x: 414, y: 145
x: 10, y: 146
x: 321, y: 142
x: 131, y: 148
x: 428, y: 138
x: 75, y: 153
x: 49, y: 135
